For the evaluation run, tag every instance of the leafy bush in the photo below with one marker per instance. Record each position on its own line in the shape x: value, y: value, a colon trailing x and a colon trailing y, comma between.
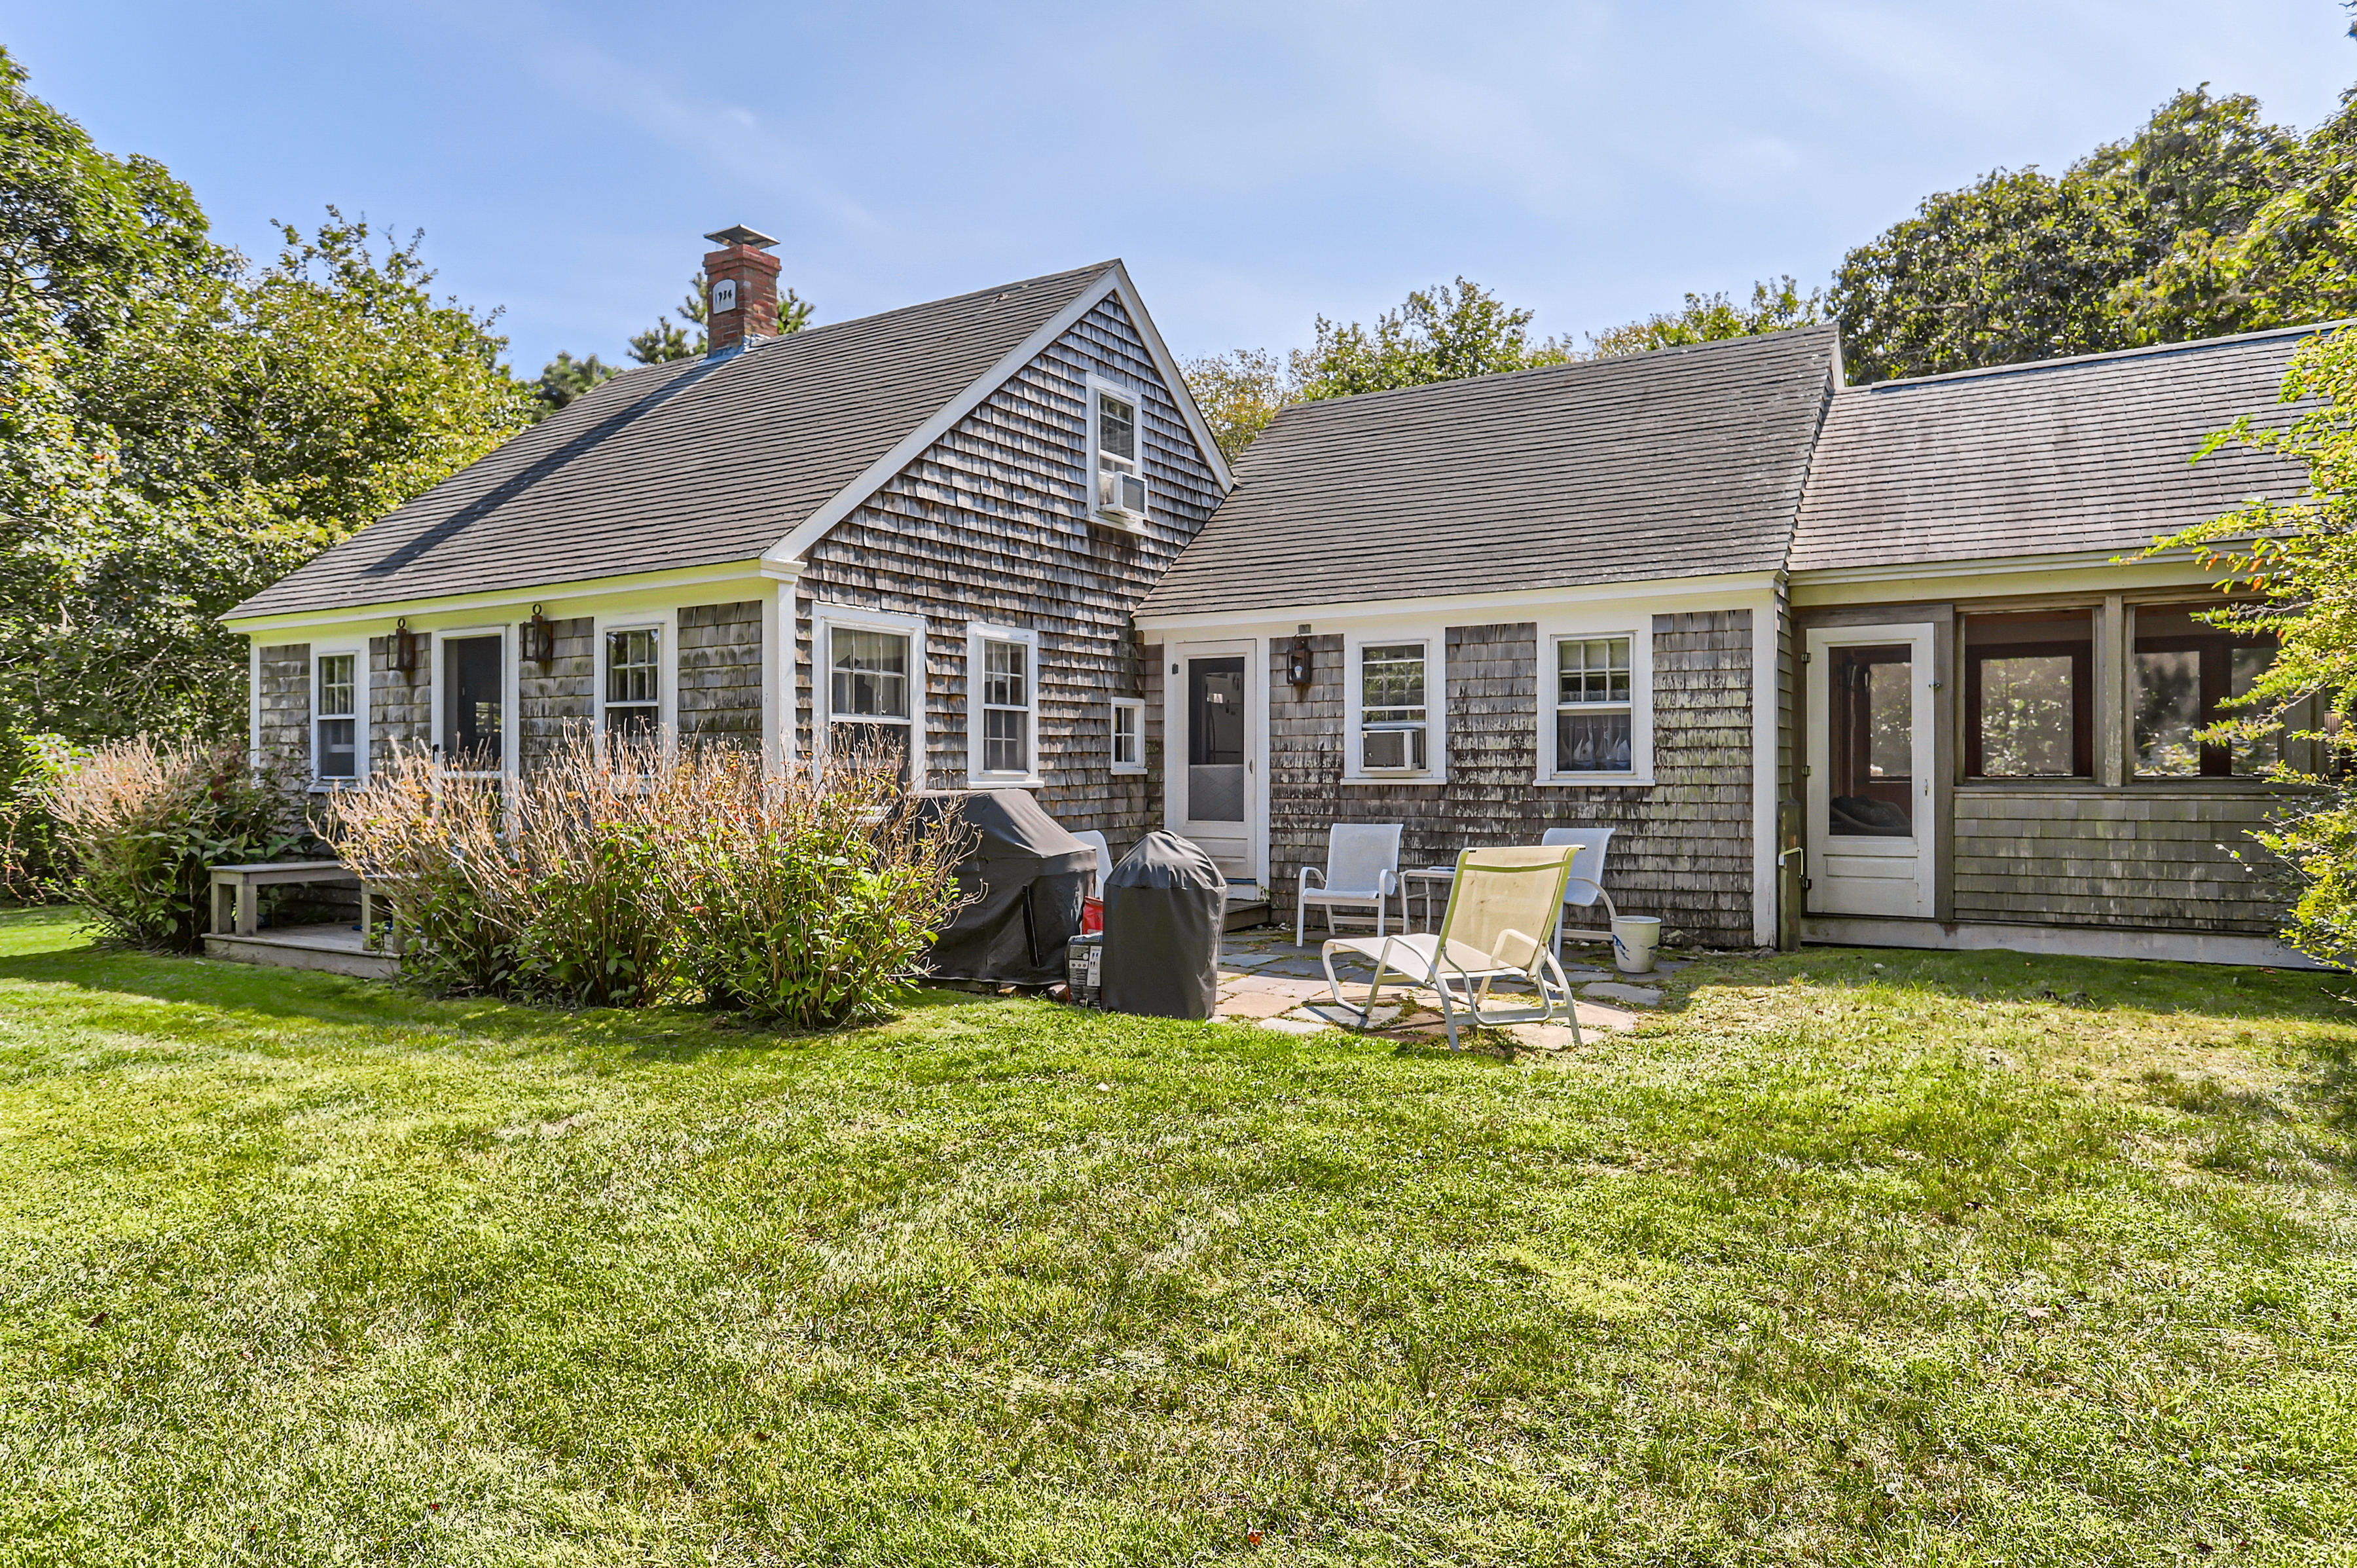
x: 634, y: 877
x: 141, y: 824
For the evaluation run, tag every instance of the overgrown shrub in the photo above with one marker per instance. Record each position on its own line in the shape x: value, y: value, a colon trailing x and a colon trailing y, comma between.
x: 635, y: 877
x: 141, y: 825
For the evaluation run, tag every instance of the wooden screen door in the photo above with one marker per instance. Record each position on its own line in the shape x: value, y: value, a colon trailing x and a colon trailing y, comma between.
x: 1213, y: 783
x: 1870, y: 751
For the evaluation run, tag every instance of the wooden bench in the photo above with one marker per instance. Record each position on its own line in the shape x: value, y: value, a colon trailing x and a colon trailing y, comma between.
x: 235, y: 888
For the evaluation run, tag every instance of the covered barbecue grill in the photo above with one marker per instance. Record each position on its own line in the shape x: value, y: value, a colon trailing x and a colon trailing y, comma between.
x: 1026, y: 876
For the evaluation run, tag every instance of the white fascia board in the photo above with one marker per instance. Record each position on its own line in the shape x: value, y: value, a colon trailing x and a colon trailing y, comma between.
x: 1734, y: 591
x: 909, y: 447
x: 1172, y: 377
x: 573, y: 595
x: 1113, y: 282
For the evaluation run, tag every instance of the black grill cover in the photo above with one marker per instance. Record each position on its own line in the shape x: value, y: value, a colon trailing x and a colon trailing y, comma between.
x: 1166, y: 906
x: 1026, y: 875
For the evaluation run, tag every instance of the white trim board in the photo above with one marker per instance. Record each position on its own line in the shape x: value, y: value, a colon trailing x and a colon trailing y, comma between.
x: 1733, y: 592
x: 2065, y: 941
x: 1114, y: 281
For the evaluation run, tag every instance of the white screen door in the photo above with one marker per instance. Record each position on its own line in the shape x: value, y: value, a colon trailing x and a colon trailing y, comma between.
x: 1871, y: 850
x: 1212, y: 775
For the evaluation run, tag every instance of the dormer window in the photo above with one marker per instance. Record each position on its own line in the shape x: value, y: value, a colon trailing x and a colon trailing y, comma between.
x: 1116, y: 463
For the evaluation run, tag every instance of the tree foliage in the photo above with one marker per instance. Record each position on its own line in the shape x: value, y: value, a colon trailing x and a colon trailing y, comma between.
x: 668, y: 339
x: 1239, y: 392
x: 565, y: 378
x: 1713, y: 317
x: 179, y: 428
x: 2299, y: 556
x: 1438, y: 334
x: 2021, y: 267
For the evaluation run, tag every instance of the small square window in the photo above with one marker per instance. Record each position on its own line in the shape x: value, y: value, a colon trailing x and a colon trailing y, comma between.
x: 1129, y: 735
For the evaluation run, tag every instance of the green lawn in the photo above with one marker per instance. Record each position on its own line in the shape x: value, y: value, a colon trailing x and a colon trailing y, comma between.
x: 1847, y: 1258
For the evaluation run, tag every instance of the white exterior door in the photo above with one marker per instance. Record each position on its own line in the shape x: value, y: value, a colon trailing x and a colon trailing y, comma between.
x: 1211, y: 773
x: 1870, y: 760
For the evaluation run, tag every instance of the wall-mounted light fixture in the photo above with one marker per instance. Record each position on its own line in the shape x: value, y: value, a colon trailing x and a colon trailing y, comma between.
x: 539, y: 639
x: 405, y: 647
x: 1298, y: 668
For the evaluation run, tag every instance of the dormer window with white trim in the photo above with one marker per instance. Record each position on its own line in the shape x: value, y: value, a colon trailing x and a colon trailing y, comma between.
x: 1116, y: 456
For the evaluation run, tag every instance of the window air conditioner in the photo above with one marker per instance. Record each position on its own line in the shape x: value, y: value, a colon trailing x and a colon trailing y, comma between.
x: 1380, y: 748
x: 1118, y: 491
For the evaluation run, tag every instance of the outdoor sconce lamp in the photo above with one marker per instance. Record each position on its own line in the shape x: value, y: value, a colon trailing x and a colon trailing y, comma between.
x: 1297, y: 666
x: 405, y: 647
x: 539, y: 639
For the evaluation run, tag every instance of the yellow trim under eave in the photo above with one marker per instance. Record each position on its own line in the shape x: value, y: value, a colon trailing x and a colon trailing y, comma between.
x: 751, y: 570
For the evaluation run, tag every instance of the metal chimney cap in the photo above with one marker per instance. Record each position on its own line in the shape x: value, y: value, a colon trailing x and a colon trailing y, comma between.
x: 737, y: 234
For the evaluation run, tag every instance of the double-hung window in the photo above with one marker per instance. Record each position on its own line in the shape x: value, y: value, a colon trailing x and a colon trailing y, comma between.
x: 335, y: 736
x: 1116, y: 462
x: 1003, y: 695
x: 1129, y: 735
x: 633, y: 682
x: 1595, y: 706
x: 1394, y: 721
x: 868, y: 695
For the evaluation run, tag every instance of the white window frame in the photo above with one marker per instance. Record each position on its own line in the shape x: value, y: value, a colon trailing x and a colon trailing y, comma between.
x: 825, y: 619
x: 1552, y: 635
x: 438, y: 673
x: 664, y: 624
x: 1127, y: 521
x: 1136, y: 708
x: 358, y: 654
x: 977, y: 776
x: 1435, y: 704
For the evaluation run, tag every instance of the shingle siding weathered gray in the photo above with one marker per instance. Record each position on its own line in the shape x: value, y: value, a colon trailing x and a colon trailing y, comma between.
x: 990, y: 525
x: 401, y: 707
x: 720, y: 672
x: 559, y: 695
x: 286, y: 702
x: 2117, y: 858
x: 1683, y: 849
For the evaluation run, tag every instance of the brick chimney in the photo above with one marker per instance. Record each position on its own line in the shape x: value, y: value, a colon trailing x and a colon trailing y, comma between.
x: 744, y: 279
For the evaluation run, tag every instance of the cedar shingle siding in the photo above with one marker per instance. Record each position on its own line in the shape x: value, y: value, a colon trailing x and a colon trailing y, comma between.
x: 286, y: 702
x: 720, y: 673
x: 401, y: 707
x: 990, y: 525
x: 2117, y: 858
x: 1683, y: 851
x: 560, y: 694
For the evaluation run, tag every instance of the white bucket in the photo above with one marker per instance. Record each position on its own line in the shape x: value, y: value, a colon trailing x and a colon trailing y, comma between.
x: 1635, y: 938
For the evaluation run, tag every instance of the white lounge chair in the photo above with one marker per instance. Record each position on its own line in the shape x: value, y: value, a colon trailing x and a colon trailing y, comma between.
x: 1502, y: 907
x: 1587, y: 884
x: 1361, y: 870
x: 1096, y: 841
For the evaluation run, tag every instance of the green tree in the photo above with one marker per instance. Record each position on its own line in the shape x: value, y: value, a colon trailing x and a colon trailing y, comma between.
x: 565, y: 378
x: 2021, y: 266
x: 178, y: 427
x: 1239, y: 392
x: 1439, y: 334
x: 667, y: 340
x: 2300, y: 555
x: 1709, y: 318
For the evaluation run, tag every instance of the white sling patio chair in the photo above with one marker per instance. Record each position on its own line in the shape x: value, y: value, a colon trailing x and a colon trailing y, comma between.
x: 1587, y: 884
x: 1502, y: 907
x: 1361, y: 870
x: 1096, y: 841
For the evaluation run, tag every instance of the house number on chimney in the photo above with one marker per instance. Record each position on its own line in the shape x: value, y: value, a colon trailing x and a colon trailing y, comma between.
x: 723, y: 295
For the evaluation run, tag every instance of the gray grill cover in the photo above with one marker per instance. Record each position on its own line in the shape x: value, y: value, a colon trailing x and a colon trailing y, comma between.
x: 1166, y: 906
x: 1026, y: 876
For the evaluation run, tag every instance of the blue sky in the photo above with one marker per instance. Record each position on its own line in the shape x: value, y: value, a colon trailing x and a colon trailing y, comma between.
x: 1255, y: 164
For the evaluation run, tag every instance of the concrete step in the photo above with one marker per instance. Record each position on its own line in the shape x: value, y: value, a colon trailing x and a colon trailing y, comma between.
x: 333, y: 950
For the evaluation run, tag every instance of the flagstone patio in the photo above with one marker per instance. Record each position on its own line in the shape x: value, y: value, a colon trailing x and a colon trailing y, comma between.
x: 1267, y: 980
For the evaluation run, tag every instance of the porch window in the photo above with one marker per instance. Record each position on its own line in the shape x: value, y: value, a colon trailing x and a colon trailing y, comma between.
x: 633, y: 684
x: 868, y: 695
x: 1594, y: 719
x: 1392, y: 719
x: 2186, y: 670
x: 1005, y: 691
x: 1129, y: 735
x: 335, y: 736
x: 2028, y: 695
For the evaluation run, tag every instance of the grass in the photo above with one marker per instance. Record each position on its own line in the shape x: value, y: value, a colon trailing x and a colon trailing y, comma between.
x: 1849, y: 1257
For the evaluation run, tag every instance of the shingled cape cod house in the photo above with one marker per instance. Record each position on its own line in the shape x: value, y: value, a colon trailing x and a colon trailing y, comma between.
x: 924, y: 530
x: 1877, y: 664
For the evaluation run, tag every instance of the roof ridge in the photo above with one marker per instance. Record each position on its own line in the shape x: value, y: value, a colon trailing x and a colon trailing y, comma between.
x: 2063, y: 361
x: 996, y: 292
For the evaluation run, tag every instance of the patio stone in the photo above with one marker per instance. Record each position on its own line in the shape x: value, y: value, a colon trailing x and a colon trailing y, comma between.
x: 1294, y: 1026
x: 1255, y: 1004
x: 1634, y: 996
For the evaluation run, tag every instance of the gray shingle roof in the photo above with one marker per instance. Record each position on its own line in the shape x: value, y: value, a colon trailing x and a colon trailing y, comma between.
x: 688, y: 463
x: 1677, y: 463
x: 2056, y: 457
